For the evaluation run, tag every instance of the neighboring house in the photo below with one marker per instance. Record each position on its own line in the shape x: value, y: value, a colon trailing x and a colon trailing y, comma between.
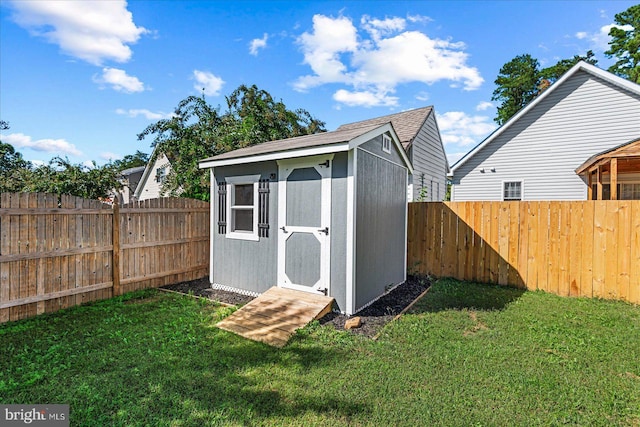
x: 420, y: 137
x: 534, y: 156
x: 613, y: 174
x: 323, y: 213
x: 154, y: 175
x: 129, y: 178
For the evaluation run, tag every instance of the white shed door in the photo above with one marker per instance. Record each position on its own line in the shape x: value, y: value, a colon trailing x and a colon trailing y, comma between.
x: 304, y: 223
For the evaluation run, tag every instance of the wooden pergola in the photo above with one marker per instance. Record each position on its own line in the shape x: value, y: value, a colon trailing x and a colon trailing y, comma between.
x: 623, y: 159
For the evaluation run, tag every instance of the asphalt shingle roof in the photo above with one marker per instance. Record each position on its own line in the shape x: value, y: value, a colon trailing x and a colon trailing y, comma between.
x: 305, y: 141
x: 406, y: 124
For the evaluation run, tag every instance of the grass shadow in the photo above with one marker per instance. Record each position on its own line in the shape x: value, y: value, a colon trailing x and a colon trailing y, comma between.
x: 451, y: 294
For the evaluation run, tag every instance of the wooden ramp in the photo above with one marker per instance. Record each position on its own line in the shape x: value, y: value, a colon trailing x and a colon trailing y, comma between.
x: 275, y: 315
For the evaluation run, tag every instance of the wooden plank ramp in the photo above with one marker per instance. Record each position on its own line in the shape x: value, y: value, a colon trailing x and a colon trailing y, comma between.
x: 274, y: 316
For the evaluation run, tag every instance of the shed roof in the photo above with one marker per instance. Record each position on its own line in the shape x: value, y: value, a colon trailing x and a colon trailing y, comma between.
x: 407, y: 124
x: 580, y: 66
x: 305, y: 141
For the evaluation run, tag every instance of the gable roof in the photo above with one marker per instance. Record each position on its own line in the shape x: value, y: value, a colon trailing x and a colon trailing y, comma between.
x: 407, y: 123
x: 306, y: 145
x: 147, y: 172
x: 580, y: 66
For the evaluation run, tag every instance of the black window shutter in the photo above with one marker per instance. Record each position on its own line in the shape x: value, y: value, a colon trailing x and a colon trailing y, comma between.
x: 263, y: 208
x: 222, y: 207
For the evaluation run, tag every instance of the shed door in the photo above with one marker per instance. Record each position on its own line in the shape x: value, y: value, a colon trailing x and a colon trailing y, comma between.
x: 304, y: 223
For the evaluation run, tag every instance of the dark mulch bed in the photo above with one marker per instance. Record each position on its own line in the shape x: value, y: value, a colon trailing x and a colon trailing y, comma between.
x: 202, y: 288
x: 373, y: 317
x: 384, y: 309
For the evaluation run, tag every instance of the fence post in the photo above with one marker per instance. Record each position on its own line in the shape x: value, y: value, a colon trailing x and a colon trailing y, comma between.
x: 115, y: 229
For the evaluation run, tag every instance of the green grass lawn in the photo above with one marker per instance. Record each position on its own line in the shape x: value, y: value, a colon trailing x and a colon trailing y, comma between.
x: 466, y: 355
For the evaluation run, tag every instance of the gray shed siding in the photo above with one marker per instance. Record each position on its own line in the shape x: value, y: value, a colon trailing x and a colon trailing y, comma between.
x: 243, y: 264
x: 584, y: 116
x: 338, y: 234
x: 429, y: 162
x: 380, y: 226
x: 374, y: 146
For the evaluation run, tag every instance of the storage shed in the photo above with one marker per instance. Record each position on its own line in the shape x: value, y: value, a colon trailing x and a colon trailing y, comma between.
x: 323, y: 213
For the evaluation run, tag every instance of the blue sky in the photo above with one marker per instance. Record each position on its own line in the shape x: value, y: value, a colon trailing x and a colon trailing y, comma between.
x: 82, y: 79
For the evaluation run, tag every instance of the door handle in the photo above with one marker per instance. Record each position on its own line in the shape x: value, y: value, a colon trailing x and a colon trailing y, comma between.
x: 284, y: 230
x: 325, y: 231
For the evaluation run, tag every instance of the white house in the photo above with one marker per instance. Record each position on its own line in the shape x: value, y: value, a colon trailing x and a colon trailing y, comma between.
x: 154, y: 175
x: 534, y: 156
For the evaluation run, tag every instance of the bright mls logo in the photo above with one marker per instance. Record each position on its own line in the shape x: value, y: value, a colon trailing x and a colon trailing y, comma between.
x: 39, y: 415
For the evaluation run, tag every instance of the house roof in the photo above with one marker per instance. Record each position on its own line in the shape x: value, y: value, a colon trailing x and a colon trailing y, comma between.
x: 407, y: 123
x: 133, y: 170
x: 628, y: 149
x: 319, y: 143
x: 580, y: 66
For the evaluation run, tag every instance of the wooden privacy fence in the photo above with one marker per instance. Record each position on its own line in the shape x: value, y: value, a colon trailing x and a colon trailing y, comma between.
x: 57, y: 251
x: 589, y: 248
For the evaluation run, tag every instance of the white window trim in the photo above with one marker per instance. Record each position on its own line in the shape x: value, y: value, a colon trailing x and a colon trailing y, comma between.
x: 521, y: 181
x: 242, y: 180
x: 386, y: 143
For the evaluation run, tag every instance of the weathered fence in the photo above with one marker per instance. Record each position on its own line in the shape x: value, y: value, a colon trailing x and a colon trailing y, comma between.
x: 589, y: 248
x: 57, y: 251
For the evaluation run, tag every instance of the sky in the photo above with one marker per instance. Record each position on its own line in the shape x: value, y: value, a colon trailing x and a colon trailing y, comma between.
x: 81, y: 79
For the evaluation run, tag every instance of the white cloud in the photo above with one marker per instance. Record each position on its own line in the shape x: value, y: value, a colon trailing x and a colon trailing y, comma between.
x: 422, y: 96
x: 461, y: 130
x: 484, y: 105
x: 93, y: 31
x: 454, y: 157
x: 364, y: 99
x: 147, y: 114
x: 419, y: 19
x: 390, y: 56
x: 378, y: 28
x: 257, y: 44
x: 106, y: 155
x: 119, y: 80
x: 210, y: 83
x: 57, y: 146
x: 599, y: 41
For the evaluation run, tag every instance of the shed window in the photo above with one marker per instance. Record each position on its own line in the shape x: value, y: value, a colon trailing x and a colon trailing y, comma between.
x: 242, y: 209
x: 512, y: 190
x: 386, y: 144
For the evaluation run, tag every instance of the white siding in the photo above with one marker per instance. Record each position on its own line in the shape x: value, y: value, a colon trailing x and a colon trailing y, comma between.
x: 429, y: 162
x: 584, y: 116
x: 151, y: 188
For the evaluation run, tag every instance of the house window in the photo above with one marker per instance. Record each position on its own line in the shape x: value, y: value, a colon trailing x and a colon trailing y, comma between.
x: 386, y: 144
x: 242, y: 207
x: 512, y: 190
x: 161, y: 174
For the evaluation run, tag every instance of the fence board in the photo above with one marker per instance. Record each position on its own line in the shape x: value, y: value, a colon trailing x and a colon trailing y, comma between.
x: 589, y: 248
x: 58, y: 251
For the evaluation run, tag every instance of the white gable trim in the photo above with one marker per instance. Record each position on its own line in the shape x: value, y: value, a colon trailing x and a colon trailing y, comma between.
x: 591, y: 69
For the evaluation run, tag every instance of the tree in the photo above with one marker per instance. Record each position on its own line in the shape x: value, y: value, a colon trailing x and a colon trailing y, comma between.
x: 553, y: 73
x: 131, y: 161
x: 520, y: 81
x: 197, y: 131
x: 625, y: 44
x: 517, y: 85
x: 61, y: 176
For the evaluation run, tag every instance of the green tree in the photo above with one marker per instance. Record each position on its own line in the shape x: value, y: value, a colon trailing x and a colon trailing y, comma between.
x: 553, y: 73
x: 197, y: 130
x: 521, y: 80
x: 61, y: 176
x: 517, y: 85
x: 131, y: 161
x: 625, y: 44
